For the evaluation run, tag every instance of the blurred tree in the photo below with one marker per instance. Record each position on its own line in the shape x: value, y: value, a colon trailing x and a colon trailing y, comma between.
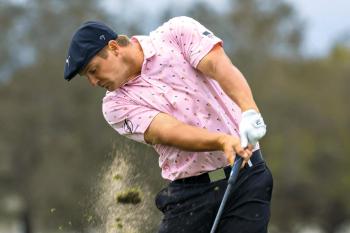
x: 8, y: 19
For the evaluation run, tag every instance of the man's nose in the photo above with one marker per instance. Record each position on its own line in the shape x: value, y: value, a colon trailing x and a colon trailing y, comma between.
x: 93, y: 81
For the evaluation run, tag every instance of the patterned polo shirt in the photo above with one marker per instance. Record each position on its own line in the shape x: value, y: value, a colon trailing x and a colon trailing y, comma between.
x: 170, y: 83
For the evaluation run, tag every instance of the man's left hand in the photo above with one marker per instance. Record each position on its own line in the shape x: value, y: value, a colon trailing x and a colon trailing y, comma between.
x: 251, y: 128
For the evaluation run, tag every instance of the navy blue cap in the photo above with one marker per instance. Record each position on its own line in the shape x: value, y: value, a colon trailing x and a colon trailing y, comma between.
x: 87, y: 41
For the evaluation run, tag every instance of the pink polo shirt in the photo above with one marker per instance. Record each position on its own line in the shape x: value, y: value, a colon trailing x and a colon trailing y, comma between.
x: 169, y: 83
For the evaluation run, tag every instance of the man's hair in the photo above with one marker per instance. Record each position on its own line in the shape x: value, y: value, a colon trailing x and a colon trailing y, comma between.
x: 122, y: 40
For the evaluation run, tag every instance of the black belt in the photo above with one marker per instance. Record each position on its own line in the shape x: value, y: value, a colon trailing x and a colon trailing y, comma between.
x: 221, y: 173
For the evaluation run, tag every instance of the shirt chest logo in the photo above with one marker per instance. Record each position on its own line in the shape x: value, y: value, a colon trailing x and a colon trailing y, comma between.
x: 128, y: 126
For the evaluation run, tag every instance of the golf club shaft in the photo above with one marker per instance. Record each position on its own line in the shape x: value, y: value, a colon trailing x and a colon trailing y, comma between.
x: 231, y: 181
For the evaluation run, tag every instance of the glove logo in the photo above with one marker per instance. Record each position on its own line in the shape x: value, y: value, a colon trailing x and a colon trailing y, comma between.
x: 258, y: 122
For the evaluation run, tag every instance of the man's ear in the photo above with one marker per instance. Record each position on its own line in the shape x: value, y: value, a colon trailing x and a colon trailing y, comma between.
x: 113, y: 46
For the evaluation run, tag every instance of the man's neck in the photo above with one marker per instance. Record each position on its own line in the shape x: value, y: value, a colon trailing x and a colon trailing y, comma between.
x: 139, y: 55
x: 136, y: 49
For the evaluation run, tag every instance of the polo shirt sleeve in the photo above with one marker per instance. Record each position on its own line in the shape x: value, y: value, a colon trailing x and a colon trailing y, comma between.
x: 127, y: 118
x: 193, y: 39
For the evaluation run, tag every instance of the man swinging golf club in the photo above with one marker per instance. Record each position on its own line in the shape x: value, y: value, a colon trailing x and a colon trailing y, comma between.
x: 178, y: 91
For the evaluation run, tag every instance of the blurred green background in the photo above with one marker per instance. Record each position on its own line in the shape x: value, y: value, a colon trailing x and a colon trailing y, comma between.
x: 61, y: 164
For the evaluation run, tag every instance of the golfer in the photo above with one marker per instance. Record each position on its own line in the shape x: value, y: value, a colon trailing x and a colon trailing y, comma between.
x: 177, y: 90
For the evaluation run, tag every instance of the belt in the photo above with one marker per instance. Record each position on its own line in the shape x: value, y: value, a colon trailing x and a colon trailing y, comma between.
x: 219, y: 174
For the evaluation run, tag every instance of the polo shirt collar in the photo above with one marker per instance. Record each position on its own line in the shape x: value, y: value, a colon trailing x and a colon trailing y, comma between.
x: 146, y: 45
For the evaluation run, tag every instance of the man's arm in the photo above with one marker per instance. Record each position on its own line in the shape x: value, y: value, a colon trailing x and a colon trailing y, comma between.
x: 165, y: 129
x: 219, y: 67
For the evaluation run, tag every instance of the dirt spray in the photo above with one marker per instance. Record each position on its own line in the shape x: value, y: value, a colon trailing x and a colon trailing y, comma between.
x: 122, y: 204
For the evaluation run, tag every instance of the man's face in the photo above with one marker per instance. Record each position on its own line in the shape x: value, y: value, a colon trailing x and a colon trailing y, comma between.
x: 112, y: 69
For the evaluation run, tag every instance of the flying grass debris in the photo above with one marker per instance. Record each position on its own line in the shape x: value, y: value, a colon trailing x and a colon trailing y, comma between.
x: 131, y: 196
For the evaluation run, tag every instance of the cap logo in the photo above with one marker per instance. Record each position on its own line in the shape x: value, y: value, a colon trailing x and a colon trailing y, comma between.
x: 67, y: 60
x: 102, y: 37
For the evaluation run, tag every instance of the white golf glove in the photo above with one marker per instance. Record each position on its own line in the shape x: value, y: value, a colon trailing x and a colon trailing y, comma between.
x: 251, y: 128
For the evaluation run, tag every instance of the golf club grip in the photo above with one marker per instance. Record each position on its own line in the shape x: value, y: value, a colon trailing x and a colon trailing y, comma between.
x: 233, y: 177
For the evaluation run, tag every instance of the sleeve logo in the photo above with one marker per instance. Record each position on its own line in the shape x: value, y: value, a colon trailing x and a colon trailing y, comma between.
x: 208, y: 34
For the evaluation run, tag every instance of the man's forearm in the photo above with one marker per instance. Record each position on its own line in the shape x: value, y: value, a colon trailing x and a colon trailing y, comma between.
x: 235, y: 86
x: 183, y: 136
x: 166, y: 130
x: 217, y: 65
x: 191, y: 138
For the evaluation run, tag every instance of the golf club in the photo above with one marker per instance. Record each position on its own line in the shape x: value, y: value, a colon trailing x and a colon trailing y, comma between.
x: 231, y: 181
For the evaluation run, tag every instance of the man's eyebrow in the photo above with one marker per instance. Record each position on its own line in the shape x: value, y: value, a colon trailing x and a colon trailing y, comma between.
x: 85, y: 69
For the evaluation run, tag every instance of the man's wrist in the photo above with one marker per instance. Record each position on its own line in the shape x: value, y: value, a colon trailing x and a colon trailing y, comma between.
x: 250, y: 112
x: 250, y: 109
x: 221, y: 140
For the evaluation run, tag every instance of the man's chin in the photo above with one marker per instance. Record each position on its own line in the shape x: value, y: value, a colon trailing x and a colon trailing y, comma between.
x: 110, y: 88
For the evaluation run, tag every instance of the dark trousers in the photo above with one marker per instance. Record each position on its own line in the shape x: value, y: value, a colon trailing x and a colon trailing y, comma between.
x: 191, y: 208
